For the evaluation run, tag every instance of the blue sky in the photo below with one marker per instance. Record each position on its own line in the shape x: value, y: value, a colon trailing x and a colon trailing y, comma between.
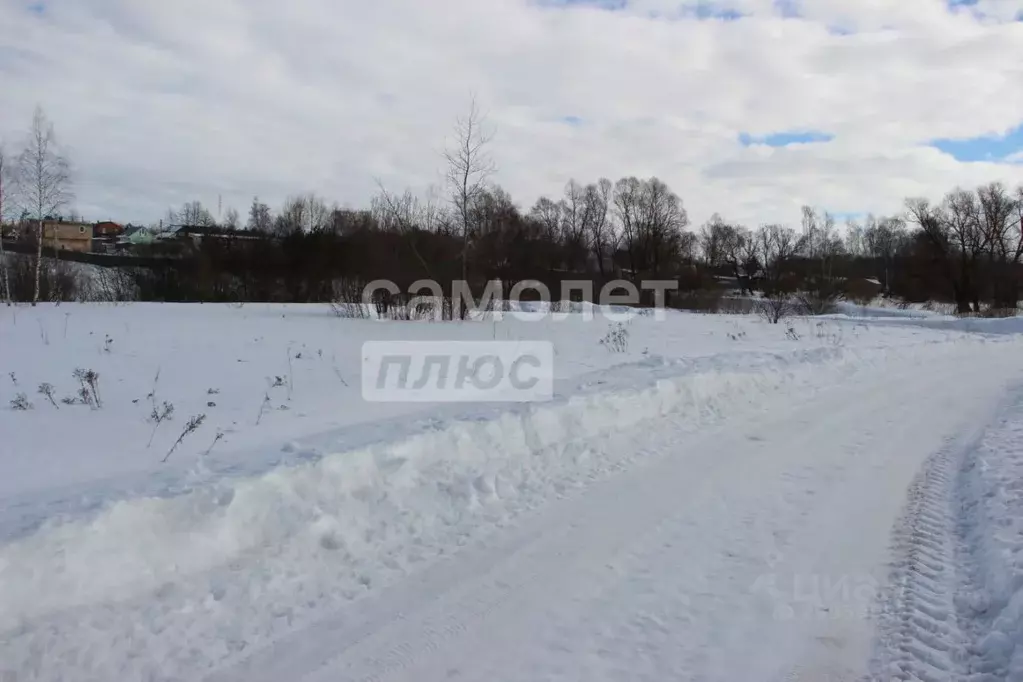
x: 991, y: 148
x: 784, y: 138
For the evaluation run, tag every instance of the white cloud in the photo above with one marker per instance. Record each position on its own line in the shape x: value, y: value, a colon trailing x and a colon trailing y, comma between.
x: 166, y: 102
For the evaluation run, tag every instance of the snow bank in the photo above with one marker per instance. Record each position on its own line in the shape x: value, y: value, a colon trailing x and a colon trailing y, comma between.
x: 969, y: 325
x: 222, y: 361
x: 138, y: 544
x: 240, y: 561
x: 992, y: 526
x: 877, y: 309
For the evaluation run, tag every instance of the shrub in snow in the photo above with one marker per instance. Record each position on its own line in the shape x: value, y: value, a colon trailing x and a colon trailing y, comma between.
x: 158, y: 416
x: 21, y: 402
x: 617, y: 338
x: 349, y: 309
x: 216, y: 439
x: 190, y: 427
x: 819, y: 296
x: 775, y: 307
x: 88, y: 392
x: 46, y: 389
x: 263, y: 407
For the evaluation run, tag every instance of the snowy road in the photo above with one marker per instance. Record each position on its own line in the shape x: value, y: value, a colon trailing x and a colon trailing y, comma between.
x: 753, y: 550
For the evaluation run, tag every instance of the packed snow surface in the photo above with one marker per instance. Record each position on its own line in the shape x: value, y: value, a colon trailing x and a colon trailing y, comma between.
x: 824, y: 499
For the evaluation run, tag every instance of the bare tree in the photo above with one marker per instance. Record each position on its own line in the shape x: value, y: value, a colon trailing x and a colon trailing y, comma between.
x: 469, y: 167
x: 664, y: 223
x: 231, y: 219
x: 712, y: 239
x: 820, y: 240
x: 882, y: 239
x: 777, y: 246
x: 548, y: 214
x: 193, y: 213
x: 260, y: 218
x: 407, y: 215
x: 732, y: 245
x: 653, y: 222
x: 304, y: 213
x: 44, y: 181
x: 821, y: 245
x: 573, y: 226
x: 627, y: 198
x: 1004, y: 237
x: 955, y: 235
x: 5, y: 184
x: 600, y: 230
x: 855, y: 239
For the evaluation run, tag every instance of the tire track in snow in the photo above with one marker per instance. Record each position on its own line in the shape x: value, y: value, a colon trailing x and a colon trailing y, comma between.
x: 923, y: 635
x: 926, y: 634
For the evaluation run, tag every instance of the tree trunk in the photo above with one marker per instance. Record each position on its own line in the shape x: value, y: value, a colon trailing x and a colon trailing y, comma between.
x: 463, y: 311
x: 5, y: 280
x: 39, y: 259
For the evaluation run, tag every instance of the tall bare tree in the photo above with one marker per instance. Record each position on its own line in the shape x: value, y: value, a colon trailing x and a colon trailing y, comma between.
x: 409, y: 216
x: 600, y: 230
x: 260, y: 218
x: 44, y: 181
x: 469, y: 167
x: 303, y: 213
x: 957, y: 240
x: 882, y: 239
x: 193, y: 214
x: 652, y: 219
x: 1004, y: 237
x: 547, y: 214
x: 777, y: 246
x: 5, y: 190
x: 855, y: 238
x: 231, y: 219
x: 734, y: 246
x: 627, y: 199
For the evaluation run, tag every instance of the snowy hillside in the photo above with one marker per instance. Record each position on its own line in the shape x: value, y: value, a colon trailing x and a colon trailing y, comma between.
x: 715, y: 484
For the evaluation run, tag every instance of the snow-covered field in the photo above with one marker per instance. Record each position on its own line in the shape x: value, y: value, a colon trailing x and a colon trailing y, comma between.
x: 724, y: 500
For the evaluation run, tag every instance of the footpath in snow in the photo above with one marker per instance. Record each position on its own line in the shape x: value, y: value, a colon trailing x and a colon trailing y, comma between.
x: 711, y: 514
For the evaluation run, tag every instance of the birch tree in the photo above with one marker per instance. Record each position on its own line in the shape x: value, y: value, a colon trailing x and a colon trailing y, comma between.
x: 44, y: 181
x: 5, y: 190
x: 469, y: 167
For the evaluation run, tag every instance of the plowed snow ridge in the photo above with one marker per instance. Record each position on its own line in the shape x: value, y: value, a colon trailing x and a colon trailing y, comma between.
x: 628, y: 534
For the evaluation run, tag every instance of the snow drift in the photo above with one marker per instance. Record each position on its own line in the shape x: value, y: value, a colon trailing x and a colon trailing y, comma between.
x: 240, y: 561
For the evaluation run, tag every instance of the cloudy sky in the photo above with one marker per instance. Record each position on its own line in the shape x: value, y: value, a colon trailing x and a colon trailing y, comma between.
x: 745, y: 107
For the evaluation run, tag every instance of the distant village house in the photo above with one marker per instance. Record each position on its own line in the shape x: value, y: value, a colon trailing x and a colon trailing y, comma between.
x: 64, y: 235
x: 107, y: 228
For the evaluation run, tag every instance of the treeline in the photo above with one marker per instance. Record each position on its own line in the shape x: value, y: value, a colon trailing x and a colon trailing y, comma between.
x: 965, y: 249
